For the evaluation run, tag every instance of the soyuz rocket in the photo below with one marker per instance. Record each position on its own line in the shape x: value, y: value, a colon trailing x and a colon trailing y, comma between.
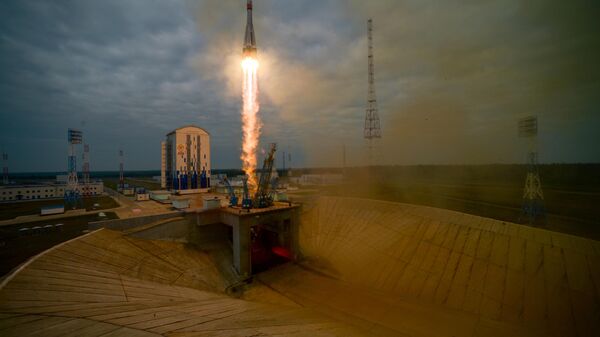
x: 249, y: 49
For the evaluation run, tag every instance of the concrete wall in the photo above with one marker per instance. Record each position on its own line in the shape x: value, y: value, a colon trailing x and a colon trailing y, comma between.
x: 176, y: 229
x: 129, y: 223
x: 207, y: 235
x: 498, y: 270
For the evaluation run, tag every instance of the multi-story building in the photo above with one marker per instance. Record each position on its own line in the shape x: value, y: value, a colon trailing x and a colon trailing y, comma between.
x: 185, y: 162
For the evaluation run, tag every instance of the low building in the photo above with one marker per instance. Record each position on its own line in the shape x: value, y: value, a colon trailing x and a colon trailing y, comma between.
x: 43, y: 191
x: 181, y: 203
x: 142, y: 196
x: 164, y: 197
x: 52, y: 209
x: 128, y: 191
x: 211, y: 202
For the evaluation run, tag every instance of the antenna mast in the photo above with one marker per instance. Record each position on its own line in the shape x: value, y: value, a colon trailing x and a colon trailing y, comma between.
x: 372, y: 129
x: 121, y: 175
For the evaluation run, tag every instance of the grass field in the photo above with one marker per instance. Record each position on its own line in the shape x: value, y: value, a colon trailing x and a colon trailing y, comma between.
x: 15, y: 209
x: 16, y: 249
x: 571, y: 192
x: 145, y: 182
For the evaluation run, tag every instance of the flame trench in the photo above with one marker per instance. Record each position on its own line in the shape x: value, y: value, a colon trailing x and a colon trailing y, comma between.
x: 250, y: 121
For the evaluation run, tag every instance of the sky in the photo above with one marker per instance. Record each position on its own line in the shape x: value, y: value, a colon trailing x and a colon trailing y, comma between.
x: 452, y: 79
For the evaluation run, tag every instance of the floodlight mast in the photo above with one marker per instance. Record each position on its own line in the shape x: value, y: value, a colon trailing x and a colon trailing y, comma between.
x: 533, y: 197
x: 72, y: 194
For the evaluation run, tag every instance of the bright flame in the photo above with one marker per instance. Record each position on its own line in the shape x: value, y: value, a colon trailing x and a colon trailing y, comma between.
x: 250, y: 122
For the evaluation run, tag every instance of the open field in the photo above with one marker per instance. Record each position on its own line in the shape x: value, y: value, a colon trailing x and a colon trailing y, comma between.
x: 571, y: 192
x: 145, y: 182
x: 16, y: 249
x: 15, y: 209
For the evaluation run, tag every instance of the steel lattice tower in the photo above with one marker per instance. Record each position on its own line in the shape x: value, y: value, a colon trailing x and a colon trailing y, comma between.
x: 4, y: 168
x: 533, y: 197
x: 121, y: 175
x: 72, y: 196
x: 372, y: 129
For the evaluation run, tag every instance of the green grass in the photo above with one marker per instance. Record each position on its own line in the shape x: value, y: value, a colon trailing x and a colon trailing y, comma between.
x: 144, y: 182
x: 15, y: 209
x: 569, y: 210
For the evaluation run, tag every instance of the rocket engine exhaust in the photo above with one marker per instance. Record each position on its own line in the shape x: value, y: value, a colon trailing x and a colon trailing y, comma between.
x: 250, y: 121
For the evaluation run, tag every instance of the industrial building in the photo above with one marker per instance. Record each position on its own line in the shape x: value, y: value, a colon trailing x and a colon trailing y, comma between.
x: 45, y: 191
x: 185, y: 164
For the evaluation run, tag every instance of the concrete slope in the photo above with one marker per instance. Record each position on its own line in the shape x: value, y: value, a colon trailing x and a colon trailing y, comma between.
x: 104, y: 284
x: 500, y: 272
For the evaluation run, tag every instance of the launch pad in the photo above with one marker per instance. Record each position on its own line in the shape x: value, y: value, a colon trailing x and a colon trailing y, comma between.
x: 260, y: 237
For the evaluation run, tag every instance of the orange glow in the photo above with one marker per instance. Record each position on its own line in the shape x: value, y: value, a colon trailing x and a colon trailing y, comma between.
x: 250, y: 122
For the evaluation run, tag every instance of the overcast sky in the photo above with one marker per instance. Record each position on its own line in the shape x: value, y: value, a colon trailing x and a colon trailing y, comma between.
x: 452, y: 79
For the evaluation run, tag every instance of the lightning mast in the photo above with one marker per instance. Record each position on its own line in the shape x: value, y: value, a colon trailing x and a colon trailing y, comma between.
x: 372, y: 129
x: 4, y: 168
x: 86, y: 169
x: 121, y: 176
x: 72, y: 196
x: 533, y: 197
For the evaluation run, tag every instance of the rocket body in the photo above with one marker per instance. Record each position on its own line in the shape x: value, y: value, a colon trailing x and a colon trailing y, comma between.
x: 249, y: 49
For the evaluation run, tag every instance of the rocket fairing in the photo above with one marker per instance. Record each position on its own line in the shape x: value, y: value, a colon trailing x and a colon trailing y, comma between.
x: 249, y: 49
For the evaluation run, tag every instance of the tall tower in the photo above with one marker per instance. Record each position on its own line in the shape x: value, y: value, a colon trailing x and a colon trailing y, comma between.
x: 533, y: 197
x: 121, y: 176
x: 163, y: 164
x: 86, y: 169
x: 4, y: 168
x: 283, y: 167
x: 72, y: 196
x: 372, y: 129
x: 344, y: 160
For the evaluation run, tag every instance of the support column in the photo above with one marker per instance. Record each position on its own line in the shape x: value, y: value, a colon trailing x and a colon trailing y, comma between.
x: 241, y: 249
x: 295, y: 233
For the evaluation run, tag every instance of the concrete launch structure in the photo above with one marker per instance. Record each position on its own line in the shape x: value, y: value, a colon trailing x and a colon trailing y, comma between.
x: 186, y: 160
x: 249, y: 49
x: 368, y: 268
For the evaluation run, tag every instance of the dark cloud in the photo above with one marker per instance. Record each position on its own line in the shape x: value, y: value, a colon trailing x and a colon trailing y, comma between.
x: 452, y: 78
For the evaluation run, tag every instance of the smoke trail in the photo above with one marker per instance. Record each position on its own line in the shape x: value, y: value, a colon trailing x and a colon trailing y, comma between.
x: 250, y: 122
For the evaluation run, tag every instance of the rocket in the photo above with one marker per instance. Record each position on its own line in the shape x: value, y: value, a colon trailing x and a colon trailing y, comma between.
x: 249, y: 49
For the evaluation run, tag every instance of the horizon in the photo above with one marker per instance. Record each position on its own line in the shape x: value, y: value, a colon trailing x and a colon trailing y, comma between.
x: 321, y: 167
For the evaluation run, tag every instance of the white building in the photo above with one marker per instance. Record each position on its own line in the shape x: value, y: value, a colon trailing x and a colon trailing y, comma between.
x: 185, y: 163
x: 45, y: 191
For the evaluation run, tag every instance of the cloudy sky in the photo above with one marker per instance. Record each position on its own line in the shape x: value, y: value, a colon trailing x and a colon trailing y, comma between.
x: 452, y: 79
